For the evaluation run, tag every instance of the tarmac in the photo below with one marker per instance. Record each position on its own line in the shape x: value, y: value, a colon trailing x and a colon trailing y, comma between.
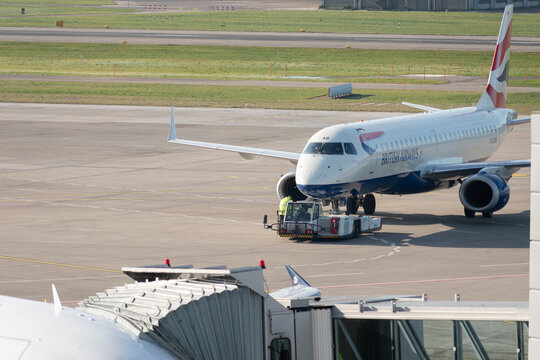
x: 266, y: 39
x: 85, y: 190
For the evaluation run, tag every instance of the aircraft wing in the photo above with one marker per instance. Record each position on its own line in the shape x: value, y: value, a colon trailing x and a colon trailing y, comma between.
x: 244, y: 151
x: 456, y: 171
x: 421, y: 107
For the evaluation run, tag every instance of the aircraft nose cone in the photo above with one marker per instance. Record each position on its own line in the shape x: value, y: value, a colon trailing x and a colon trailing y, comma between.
x: 308, y: 171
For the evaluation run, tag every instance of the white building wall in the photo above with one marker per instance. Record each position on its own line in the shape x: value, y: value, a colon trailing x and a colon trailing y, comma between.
x: 534, y: 256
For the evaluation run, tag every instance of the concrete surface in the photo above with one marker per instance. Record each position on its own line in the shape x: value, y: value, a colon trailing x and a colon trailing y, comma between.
x: 274, y: 39
x: 87, y: 189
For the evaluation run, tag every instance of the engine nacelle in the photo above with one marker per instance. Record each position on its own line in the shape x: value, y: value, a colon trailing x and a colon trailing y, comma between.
x: 484, y: 192
x: 286, y: 186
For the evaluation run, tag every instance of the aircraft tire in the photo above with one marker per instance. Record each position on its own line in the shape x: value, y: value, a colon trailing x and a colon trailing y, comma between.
x: 369, y: 204
x: 352, y: 206
x: 469, y: 213
x: 487, y: 214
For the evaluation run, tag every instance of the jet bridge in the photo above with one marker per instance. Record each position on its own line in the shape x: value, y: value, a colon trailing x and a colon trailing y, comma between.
x: 221, y: 313
x: 213, y: 313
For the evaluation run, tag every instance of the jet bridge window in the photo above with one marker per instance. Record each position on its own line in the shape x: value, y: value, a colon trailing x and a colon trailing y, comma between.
x: 280, y: 349
x: 350, y: 149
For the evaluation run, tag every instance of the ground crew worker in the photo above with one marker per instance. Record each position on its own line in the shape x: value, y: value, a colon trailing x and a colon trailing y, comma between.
x: 282, y: 207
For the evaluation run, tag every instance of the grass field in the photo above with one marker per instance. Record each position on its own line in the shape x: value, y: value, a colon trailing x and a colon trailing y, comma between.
x: 214, y: 62
x: 410, y: 22
x: 41, y: 10
x: 255, y: 97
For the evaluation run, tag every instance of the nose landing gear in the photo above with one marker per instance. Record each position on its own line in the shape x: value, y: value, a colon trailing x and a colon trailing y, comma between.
x: 367, y: 202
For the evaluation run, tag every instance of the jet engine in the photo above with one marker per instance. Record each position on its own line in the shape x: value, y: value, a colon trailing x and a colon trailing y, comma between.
x: 286, y: 186
x: 484, y: 192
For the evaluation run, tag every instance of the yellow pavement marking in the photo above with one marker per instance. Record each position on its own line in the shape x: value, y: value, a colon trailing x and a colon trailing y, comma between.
x: 58, y: 264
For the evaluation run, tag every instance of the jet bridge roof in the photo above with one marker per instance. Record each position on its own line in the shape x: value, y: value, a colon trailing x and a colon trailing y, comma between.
x: 419, y: 308
x: 195, y: 313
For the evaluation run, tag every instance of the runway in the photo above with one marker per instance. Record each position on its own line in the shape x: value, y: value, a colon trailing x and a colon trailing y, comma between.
x: 87, y: 189
x: 269, y: 39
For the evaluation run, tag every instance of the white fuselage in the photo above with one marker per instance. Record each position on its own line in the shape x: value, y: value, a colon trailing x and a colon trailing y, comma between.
x: 391, y: 152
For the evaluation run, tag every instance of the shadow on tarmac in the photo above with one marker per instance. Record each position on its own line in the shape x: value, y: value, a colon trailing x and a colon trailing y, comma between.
x: 501, y: 231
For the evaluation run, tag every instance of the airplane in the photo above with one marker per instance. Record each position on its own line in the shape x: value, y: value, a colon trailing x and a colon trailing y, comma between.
x: 298, y: 289
x: 437, y: 149
x: 37, y: 330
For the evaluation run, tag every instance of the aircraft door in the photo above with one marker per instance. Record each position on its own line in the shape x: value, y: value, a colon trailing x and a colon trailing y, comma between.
x: 435, y: 139
x: 373, y: 159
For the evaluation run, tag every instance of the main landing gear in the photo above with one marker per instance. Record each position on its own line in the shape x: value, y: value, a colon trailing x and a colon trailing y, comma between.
x: 367, y: 201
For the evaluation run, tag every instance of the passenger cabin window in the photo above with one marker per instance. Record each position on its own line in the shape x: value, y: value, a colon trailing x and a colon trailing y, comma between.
x: 350, y: 149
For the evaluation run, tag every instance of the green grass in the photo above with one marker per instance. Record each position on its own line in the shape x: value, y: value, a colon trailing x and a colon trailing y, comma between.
x: 40, y: 10
x: 59, y: 2
x: 411, y: 22
x: 214, y: 62
x: 255, y: 97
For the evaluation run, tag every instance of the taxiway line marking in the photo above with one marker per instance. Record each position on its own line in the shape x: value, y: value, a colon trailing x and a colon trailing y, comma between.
x: 330, y: 275
x: 424, y: 281
x: 497, y: 265
x: 58, y: 264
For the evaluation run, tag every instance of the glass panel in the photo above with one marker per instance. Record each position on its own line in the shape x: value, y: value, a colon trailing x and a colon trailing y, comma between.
x: 497, y: 337
x: 299, y: 212
x: 332, y: 148
x: 316, y: 212
x: 525, y: 340
x: 313, y: 148
x: 438, y: 339
x: 350, y: 149
x: 280, y: 349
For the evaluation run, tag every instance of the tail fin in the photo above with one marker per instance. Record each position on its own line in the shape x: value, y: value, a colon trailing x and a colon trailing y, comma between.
x: 295, y: 277
x: 495, y: 94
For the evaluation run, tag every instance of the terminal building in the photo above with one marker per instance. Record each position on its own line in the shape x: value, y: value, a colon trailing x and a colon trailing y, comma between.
x: 426, y: 5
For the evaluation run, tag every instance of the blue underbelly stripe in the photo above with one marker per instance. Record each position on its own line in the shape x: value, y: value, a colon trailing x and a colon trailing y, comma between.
x: 406, y: 183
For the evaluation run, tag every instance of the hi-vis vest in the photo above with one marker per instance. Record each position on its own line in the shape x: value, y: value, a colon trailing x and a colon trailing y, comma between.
x: 283, y: 205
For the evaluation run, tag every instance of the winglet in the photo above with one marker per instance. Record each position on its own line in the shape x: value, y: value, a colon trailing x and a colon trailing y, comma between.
x: 295, y: 277
x: 172, y: 130
x: 57, y: 303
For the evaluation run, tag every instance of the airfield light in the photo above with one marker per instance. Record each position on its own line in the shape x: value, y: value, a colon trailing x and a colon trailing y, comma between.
x: 262, y: 264
x: 168, y: 262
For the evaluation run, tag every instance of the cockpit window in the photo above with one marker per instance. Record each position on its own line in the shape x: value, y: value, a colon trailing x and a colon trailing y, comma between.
x: 349, y: 148
x: 313, y: 148
x: 332, y: 148
x: 329, y: 148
